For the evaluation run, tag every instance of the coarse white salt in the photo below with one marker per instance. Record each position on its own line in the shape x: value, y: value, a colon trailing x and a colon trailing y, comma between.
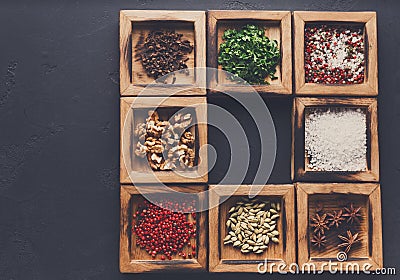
x: 336, y: 139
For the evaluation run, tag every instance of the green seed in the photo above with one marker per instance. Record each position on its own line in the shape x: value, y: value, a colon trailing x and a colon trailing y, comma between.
x: 251, y: 242
x: 273, y: 211
x: 275, y: 240
x: 272, y: 227
x: 236, y: 243
x: 275, y: 216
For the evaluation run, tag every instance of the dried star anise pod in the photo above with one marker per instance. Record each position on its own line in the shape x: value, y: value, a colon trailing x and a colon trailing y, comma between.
x: 318, y: 240
x: 352, y: 214
x: 348, y: 241
x: 319, y: 223
x: 335, y: 218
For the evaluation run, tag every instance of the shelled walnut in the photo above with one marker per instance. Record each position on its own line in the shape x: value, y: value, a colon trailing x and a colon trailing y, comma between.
x: 155, y: 137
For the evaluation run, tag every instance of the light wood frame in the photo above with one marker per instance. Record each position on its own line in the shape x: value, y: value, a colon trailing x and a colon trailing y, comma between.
x: 299, y: 170
x: 283, y: 18
x: 370, y: 85
x: 128, y: 19
x: 129, y: 265
x: 304, y: 190
x: 128, y: 105
x: 283, y: 192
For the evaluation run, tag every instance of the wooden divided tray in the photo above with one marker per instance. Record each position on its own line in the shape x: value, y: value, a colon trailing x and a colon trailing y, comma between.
x: 314, y: 185
x: 135, y: 259
x: 135, y: 26
x: 135, y: 110
x: 225, y: 258
x: 326, y: 198
x: 300, y: 171
x: 364, y: 20
x: 277, y: 26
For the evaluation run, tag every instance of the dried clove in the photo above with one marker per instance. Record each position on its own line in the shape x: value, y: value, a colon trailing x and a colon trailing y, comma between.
x: 163, y: 52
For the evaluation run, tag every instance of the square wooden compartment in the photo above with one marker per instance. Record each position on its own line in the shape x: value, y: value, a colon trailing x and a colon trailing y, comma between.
x: 335, y: 196
x: 300, y: 171
x: 277, y: 26
x: 133, y: 111
x: 136, y: 260
x: 225, y: 258
x: 136, y: 24
x: 365, y: 19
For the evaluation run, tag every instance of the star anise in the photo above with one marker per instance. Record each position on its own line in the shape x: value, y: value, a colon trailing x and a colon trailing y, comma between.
x: 319, y: 223
x: 352, y: 214
x: 335, y: 218
x: 348, y: 241
x: 318, y: 240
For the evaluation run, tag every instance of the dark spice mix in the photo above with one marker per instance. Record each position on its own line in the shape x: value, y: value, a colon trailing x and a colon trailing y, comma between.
x: 163, y: 52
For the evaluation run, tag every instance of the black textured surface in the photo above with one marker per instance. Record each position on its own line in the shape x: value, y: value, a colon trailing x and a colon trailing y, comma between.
x: 59, y: 139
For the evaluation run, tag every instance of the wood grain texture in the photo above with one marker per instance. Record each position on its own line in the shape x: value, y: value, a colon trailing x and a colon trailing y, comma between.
x: 137, y: 23
x: 370, y: 85
x: 334, y: 196
x: 130, y: 168
x: 136, y: 260
x: 300, y: 172
x: 125, y: 30
x: 224, y: 258
x: 277, y: 26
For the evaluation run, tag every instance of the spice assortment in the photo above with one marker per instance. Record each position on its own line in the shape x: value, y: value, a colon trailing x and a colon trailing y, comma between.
x: 164, y: 232
x: 166, y: 144
x: 342, y: 223
x: 163, y: 52
x: 252, y: 226
x: 249, y: 54
x: 334, y: 55
x: 336, y: 139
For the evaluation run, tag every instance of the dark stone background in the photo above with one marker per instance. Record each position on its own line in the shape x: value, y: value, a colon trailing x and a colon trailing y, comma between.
x: 59, y: 139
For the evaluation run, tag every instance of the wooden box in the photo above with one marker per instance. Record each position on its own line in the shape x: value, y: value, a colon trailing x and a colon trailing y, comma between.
x: 367, y: 253
x: 277, y: 26
x: 133, y: 111
x: 132, y: 258
x: 135, y: 25
x: 366, y: 21
x: 300, y: 169
x: 225, y: 258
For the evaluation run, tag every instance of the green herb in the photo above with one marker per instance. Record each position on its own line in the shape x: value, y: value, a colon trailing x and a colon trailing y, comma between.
x: 249, y: 54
